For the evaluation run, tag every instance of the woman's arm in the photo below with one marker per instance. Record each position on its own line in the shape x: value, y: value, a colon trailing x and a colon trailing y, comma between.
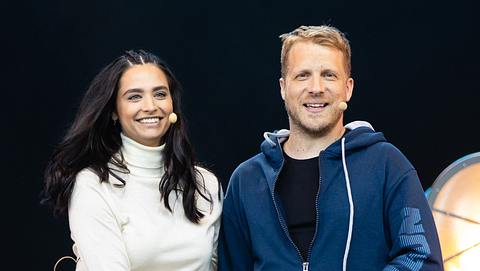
x: 94, y: 227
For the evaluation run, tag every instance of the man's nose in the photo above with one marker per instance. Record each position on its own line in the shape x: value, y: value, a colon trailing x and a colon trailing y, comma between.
x: 317, y: 85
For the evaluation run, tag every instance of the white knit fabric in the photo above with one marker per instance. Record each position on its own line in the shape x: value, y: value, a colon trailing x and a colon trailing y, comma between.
x: 128, y: 228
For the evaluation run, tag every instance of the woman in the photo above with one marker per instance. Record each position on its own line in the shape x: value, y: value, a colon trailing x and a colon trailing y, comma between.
x: 126, y: 175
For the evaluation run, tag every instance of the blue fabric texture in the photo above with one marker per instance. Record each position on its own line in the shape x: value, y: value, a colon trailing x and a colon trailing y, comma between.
x: 393, y: 227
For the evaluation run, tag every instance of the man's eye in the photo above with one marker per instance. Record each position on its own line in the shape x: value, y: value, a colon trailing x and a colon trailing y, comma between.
x: 302, y: 76
x: 330, y: 75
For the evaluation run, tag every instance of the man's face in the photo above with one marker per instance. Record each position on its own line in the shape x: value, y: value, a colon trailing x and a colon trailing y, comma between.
x: 315, y: 83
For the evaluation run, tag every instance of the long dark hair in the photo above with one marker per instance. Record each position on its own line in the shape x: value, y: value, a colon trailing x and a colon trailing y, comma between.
x: 93, y: 139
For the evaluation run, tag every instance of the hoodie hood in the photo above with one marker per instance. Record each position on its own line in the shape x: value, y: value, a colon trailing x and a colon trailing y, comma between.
x: 361, y: 135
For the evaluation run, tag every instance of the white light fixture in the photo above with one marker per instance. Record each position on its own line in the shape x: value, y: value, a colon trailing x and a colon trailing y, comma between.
x: 455, y: 202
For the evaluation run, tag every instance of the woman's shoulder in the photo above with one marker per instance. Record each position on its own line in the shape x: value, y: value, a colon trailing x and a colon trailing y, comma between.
x: 205, y: 172
x: 87, y: 179
x: 87, y: 175
x: 211, y: 182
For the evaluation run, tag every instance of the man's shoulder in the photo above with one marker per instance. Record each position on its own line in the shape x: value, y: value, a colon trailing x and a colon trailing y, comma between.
x: 250, y: 179
x: 251, y: 170
x: 390, y: 151
x: 254, y: 163
x: 387, y: 154
x: 382, y: 149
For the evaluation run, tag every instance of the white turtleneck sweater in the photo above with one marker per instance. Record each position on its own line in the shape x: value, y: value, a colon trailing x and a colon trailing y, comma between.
x: 128, y: 228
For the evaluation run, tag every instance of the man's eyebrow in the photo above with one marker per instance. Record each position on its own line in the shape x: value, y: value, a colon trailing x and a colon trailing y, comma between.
x: 303, y: 71
x: 328, y: 70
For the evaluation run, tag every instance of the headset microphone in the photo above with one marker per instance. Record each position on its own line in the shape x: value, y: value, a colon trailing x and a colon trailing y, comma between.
x: 342, y: 106
x: 172, y: 118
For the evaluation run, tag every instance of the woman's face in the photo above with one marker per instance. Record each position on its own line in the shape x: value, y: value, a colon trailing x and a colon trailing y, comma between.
x: 143, y: 104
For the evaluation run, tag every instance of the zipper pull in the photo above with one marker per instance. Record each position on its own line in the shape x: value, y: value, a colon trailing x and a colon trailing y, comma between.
x: 305, y: 266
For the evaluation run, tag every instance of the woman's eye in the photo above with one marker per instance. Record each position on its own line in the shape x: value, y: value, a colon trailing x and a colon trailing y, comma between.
x: 160, y: 94
x: 134, y: 97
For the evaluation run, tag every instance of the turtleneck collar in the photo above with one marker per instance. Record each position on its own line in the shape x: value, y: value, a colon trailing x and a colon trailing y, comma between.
x: 140, y: 159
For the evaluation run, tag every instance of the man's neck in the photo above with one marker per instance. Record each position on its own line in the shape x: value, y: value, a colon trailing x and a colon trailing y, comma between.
x: 301, y: 145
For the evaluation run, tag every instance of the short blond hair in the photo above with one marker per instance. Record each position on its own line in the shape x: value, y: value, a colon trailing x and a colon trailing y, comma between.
x: 322, y: 35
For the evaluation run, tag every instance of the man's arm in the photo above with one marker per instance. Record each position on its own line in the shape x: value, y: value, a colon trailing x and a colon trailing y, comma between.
x: 234, y: 246
x: 415, y: 244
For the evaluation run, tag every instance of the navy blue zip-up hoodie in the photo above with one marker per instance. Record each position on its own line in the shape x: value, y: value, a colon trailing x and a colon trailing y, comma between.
x: 371, y: 211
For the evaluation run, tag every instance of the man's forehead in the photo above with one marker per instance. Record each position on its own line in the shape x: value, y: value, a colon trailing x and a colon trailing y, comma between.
x: 312, y: 54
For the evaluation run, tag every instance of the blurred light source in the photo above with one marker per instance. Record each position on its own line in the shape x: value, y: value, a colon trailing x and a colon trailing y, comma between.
x: 455, y: 201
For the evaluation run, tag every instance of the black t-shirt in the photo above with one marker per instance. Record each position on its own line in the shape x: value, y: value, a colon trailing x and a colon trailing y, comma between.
x: 297, y: 187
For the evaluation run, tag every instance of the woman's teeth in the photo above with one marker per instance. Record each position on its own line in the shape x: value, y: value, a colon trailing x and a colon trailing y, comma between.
x: 149, y: 120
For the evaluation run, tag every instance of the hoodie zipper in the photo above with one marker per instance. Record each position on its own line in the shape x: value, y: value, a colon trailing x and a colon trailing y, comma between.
x: 316, y: 209
x: 305, y: 264
x: 280, y: 218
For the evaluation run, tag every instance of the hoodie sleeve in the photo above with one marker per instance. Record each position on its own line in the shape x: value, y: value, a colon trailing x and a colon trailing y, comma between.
x: 415, y: 244
x: 235, y: 251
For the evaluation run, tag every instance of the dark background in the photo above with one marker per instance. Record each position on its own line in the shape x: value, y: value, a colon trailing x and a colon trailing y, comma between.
x: 415, y: 66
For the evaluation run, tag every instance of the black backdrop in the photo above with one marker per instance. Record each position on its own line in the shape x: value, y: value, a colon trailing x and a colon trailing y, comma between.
x: 414, y: 65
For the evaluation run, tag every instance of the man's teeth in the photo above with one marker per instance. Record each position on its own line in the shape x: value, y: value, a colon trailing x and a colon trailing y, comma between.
x: 316, y: 105
x: 149, y: 120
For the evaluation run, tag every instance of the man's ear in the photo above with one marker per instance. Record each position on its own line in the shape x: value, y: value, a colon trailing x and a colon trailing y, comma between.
x: 281, y: 81
x: 349, y: 90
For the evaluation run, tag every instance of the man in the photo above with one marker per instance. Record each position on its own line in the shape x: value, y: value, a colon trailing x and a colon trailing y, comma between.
x: 324, y: 196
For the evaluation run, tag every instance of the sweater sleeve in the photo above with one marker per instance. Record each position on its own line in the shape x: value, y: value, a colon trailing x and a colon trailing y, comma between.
x: 217, y: 227
x: 235, y: 251
x: 415, y: 244
x: 94, y: 227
